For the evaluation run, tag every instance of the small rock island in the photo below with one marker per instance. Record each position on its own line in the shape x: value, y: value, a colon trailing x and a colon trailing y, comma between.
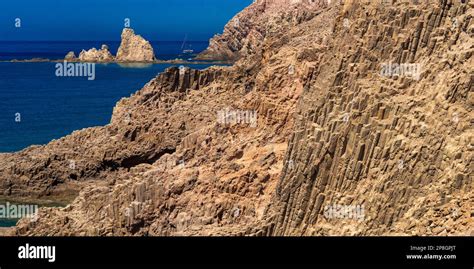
x: 133, y: 49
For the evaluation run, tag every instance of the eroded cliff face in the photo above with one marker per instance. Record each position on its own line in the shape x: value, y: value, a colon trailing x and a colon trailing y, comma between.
x: 168, y: 165
x: 246, y: 32
x: 332, y: 130
x: 134, y: 48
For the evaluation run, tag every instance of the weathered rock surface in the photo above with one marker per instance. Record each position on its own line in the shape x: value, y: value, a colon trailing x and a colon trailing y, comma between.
x: 7, y: 231
x: 134, y: 48
x: 246, y: 32
x: 398, y: 147
x: 94, y: 55
x: 70, y: 56
x: 331, y: 130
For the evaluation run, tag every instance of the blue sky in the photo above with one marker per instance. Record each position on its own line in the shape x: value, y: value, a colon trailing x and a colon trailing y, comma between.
x: 89, y: 20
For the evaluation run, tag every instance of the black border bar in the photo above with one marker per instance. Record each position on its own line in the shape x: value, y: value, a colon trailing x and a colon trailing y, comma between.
x: 243, y: 250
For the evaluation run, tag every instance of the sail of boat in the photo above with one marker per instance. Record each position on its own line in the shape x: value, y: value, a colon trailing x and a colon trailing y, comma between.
x: 183, y: 46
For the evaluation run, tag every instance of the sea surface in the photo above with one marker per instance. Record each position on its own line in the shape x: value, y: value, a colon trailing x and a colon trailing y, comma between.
x: 36, y: 106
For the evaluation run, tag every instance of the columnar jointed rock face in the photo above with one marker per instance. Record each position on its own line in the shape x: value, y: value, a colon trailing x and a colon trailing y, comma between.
x: 377, y: 149
x: 94, y: 55
x: 134, y: 48
x: 395, y: 144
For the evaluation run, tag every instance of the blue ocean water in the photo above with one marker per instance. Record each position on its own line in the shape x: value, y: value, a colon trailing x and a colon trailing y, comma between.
x: 36, y: 106
x: 7, y: 222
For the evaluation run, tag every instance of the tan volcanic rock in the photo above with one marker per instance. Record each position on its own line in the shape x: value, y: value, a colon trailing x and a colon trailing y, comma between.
x: 71, y: 56
x: 7, y: 231
x: 94, y: 55
x: 134, y: 48
x: 396, y: 145
x: 331, y: 131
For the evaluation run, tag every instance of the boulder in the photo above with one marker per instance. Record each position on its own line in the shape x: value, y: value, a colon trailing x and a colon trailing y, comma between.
x: 70, y: 56
x: 94, y: 55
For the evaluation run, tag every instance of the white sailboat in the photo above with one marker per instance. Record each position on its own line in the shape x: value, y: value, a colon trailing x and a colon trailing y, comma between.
x: 183, y: 46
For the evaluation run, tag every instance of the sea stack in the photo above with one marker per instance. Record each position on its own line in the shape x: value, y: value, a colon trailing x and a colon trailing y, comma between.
x: 94, y: 55
x: 134, y: 48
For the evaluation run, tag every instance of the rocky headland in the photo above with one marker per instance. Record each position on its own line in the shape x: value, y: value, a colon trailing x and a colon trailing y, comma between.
x: 333, y: 128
